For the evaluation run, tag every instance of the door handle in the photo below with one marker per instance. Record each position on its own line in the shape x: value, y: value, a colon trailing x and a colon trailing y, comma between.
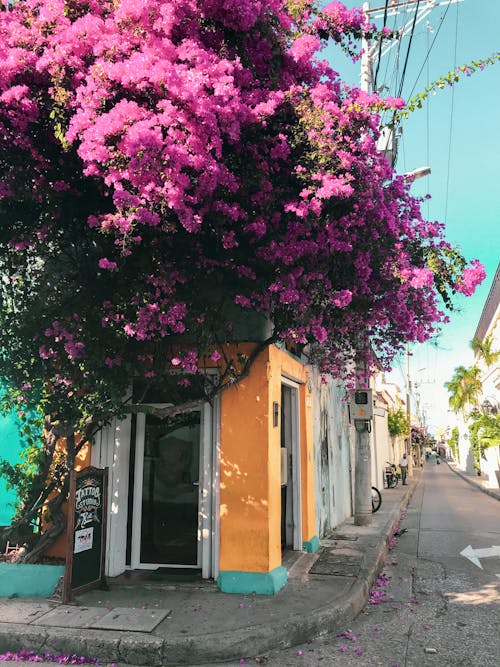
x: 196, y: 484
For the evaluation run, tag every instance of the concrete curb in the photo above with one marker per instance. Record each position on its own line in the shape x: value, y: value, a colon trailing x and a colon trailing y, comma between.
x: 153, y: 650
x: 297, y: 629
x: 494, y: 493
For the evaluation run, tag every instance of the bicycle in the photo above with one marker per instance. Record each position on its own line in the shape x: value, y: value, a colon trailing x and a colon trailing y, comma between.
x: 391, y: 476
x: 376, y: 499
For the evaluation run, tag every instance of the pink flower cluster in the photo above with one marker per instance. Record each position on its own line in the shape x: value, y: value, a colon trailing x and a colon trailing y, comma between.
x: 212, y: 166
x: 379, y: 593
x: 68, y: 336
x: 471, y: 278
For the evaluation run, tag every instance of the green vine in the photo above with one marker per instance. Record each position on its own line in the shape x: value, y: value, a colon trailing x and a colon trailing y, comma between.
x: 416, y: 102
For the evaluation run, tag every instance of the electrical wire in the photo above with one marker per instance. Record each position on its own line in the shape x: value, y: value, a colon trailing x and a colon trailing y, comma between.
x: 429, y: 51
x: 408, y: 50
x: 387, y: 60
x: 380, y: 46
x: 428, y: 128
x: 447, y: 191
x: 403, y: 74
x: 390, y: 82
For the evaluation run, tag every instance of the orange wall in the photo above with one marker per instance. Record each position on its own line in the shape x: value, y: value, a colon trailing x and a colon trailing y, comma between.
x: 250, y: 484
x: 244, y: 473
x: 58, y: 548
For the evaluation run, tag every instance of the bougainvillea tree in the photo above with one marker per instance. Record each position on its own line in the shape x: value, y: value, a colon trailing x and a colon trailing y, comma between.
x: 171, y: 169
x: 421, y: 438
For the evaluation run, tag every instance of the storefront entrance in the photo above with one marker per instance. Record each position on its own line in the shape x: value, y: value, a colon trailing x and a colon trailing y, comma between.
x: 170, y: 489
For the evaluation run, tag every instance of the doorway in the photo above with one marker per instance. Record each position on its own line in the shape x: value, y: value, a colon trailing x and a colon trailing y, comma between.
x: 171, y: 483
x: 291, y: 529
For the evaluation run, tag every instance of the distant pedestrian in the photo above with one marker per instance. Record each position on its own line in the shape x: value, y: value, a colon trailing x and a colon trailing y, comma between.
x: 403, y: 464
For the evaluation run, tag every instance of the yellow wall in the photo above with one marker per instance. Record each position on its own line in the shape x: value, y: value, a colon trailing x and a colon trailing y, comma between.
x: 250, y: 484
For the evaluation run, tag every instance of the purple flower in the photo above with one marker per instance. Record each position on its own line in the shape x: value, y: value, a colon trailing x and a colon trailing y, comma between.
x: 105, y: 263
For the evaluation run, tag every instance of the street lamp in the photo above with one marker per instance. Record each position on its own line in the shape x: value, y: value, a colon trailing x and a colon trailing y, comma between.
x: 417, y: 173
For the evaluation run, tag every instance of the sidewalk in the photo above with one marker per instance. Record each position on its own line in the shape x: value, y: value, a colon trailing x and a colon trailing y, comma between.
x: 478, y: 481
x: 164, y: 623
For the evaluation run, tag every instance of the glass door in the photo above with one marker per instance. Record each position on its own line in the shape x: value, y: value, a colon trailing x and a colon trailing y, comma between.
x: 166, y: 510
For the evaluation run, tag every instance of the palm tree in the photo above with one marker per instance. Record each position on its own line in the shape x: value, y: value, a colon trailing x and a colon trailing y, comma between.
x: 482, y: 349
x: 464, y: 388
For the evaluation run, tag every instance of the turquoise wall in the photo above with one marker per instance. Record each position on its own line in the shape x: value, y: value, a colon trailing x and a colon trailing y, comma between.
x: 26, y: 580
x: 10, y: 447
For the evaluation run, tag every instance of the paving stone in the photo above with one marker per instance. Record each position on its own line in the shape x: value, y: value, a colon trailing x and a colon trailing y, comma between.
x: 23, y: 612
x: 72, y: 617
x: 134, y: 620
x: 332, y: 562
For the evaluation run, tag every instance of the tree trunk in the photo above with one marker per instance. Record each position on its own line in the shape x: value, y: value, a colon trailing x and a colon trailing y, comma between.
x: 54, y: 511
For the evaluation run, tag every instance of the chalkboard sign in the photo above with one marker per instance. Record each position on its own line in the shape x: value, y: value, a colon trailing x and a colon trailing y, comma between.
x: 86, y: 531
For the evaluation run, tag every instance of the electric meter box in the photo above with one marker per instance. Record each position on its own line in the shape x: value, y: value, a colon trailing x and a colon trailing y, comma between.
x: 362, y: 404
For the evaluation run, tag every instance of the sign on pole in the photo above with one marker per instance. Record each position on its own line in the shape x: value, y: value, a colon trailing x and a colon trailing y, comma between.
x: 86, y: 546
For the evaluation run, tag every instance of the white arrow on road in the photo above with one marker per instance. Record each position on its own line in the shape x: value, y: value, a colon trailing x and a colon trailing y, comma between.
x: 475, y: 554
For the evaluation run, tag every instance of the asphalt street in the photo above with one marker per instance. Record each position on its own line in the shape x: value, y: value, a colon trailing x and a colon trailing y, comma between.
x: 434, y: 606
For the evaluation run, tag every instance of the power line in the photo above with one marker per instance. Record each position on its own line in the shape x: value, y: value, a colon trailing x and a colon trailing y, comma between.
x: 380, y: 46
x: 408, y: 49
x: 451, y: 125
x: 429, y: 51
x: 428, y: 121
x: 396, y: 60
x: 403, y: 74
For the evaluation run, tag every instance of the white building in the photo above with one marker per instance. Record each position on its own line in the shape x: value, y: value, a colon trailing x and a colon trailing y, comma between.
x: 489, y: 328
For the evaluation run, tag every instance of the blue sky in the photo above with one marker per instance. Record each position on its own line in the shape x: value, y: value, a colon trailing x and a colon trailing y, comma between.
x: 457, y: 134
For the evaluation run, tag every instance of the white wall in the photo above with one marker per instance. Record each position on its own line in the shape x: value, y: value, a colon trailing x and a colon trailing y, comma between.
x: 381, y: 446
x: 112, y: 449
x: 490, y: 466
x: 332, y: 455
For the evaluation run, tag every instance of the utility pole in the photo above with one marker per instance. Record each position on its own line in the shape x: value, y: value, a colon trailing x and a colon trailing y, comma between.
x: 362, y: 411
x: 369, y: 54
x: 372, y: 52
x: 362, y: 461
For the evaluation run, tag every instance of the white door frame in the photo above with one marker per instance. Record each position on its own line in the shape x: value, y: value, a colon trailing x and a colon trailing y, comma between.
x: 204, y: 534
x: 296, y: 462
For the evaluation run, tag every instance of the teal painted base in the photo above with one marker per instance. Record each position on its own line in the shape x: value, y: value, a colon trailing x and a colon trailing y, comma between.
x: 262, y: 583
x: 25, y: 580
x: 311, y: 545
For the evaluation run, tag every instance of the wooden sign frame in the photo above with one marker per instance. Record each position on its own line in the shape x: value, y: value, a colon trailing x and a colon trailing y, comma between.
x: 86, y: 531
